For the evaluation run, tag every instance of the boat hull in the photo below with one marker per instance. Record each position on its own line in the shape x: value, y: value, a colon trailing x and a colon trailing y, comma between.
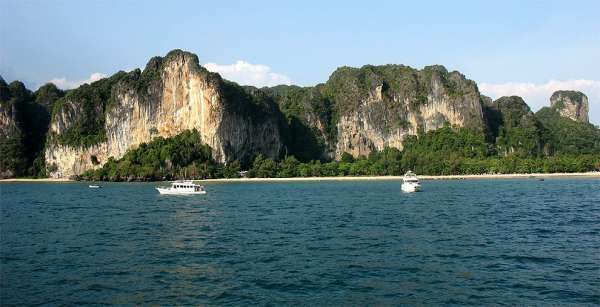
x: 411, y: 187
x: 167, y: 191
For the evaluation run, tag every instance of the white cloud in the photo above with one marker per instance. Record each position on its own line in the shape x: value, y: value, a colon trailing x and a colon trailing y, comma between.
x: 538, y: 95
x: 246, y: 73
x: 64, y: 83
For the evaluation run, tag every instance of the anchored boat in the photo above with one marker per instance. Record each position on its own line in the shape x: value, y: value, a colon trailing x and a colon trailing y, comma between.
x: 410, y: 182
x: 182, y: 187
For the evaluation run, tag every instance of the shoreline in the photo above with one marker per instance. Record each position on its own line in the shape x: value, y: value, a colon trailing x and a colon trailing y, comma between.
x: 353, y: 178
x: 37, y: 180
x: 423, y: 177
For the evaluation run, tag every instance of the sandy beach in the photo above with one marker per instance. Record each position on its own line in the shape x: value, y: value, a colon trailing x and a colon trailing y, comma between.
x: 36, y: 180
x: 423, y: 177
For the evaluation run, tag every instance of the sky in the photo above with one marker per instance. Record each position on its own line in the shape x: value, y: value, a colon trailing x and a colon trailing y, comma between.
x: 524, y: 48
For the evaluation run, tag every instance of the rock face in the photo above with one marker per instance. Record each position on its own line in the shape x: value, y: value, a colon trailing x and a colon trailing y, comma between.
x: 8, y: 112
x: 10, y: 133
x: 378, y: 106
x: 171, y: 95
x: 357, y: 111
x: 24, y: 118
x: 361, y: 110
x: 515, y: 127
x: 571, y: 104
x: 309, y: 118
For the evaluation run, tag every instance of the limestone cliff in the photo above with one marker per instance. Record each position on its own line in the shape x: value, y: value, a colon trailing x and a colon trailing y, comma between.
x: 378, y: 106
x: 24, y: 118
x: 515, y: 127
x: 357, y: 111
x: 571, y: 104
x: 171, y: 95
x: 8, y: 112
x: 10, y: 134
x: 308, y: 113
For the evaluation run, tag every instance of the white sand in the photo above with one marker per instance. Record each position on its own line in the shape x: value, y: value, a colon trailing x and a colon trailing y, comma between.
x: 423, y: 177
x: 36, y: 180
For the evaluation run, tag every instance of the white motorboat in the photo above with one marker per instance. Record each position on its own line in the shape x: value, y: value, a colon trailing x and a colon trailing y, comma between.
x: 182, y: 187
x: 410, y: 182
x: 93, y: 186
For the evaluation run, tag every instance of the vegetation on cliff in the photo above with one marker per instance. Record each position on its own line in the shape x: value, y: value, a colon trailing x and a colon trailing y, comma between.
x: 444, y: 151
x: 507, y: 137
x: 82, y: 111
x: 400, y: 89
x: 28, y: 116
x: 572, y: 95
x: 163, y: 159
x: 566, y: 136
x: 514, y: 128
x: 306, y: 110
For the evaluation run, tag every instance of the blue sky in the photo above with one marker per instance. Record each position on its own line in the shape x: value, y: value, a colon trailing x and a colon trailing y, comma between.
x: 528, y: 48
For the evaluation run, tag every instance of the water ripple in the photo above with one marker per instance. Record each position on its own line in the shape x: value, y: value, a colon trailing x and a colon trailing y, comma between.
x: 507, y: 242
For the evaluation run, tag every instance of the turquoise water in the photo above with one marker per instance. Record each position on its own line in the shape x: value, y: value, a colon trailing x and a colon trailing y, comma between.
x: 512, y: 242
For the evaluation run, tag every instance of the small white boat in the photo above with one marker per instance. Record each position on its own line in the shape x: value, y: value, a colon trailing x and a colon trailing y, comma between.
x: 182, y: 187
x: 410, y: 182
x: 92, y: 186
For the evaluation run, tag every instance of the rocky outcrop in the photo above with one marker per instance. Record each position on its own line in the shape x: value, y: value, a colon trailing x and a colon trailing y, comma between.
x: 361, y: 110
x: 8, y: 113
x: 519, y: 131
x: 171, y: 95
x: 357, y: 111
x: 21, y: 122
x: 24, y: 118
x: 10, y: 134
x: 571, y: 104
x: 309, y: 123
x: 378, y: 106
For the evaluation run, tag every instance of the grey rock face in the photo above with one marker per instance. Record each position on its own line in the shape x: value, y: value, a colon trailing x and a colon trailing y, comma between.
x: 571, y: 104
x: 380, y: 105
x: 172, y: 95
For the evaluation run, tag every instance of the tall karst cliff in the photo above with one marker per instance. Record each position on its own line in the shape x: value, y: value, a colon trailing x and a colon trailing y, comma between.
x: 172, y: 94
x: 11, y: 132
x: 360, y: 110
x: 514, y: 127
x: 378, y: 106
x: 566, y: 126
x: 357, y: 111
x: 24, y: 118
x: 571, y: 104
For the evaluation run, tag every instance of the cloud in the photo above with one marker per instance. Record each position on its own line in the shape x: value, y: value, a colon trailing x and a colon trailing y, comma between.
x: 66, y: 84
x: 538, y: 95
x: 246, y: 73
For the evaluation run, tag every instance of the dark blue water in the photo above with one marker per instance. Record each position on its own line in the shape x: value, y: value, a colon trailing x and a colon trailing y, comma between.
x: 511, y: 242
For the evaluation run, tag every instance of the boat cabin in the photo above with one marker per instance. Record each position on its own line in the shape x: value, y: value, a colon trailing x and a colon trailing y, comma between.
x: 186, y: 186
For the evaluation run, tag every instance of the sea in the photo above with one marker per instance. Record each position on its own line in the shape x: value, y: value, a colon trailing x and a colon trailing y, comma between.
x: 308, y: 243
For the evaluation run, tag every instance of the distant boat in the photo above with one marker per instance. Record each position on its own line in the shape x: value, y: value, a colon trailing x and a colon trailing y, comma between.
x: 91, y: 186
x: 182, y: 187
x: 410, y: 182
